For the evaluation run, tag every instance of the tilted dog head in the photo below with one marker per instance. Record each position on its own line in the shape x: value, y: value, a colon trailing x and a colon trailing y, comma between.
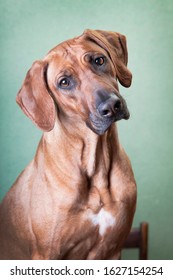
x: 79, y: 79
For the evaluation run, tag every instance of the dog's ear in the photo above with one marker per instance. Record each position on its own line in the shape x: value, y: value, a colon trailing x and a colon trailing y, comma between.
x: 115, y: 44
x: 34, y: 97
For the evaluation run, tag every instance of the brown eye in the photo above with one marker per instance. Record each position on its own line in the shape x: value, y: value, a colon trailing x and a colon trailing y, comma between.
x: 64, y: 83
x: 99, y: 61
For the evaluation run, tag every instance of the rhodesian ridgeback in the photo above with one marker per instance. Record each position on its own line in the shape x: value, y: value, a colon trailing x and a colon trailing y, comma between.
x: 77, y: 197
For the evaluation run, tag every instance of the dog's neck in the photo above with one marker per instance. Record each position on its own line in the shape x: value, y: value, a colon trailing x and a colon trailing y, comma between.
x: 86, y: 151
x: 97, y: 151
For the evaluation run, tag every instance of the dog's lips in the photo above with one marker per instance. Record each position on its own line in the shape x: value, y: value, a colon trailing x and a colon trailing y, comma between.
x: 101, y: 125
x: 97, y: 126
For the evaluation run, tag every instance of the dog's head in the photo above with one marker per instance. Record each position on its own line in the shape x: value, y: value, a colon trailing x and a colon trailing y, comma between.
x: 79, y: 79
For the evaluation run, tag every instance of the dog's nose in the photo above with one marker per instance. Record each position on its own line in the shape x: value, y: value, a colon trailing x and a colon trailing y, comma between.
x: 110, y: 107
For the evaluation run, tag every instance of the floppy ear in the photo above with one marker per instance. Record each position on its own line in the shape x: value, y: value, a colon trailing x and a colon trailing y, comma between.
x: 34, y: 98
x: 115, y: 44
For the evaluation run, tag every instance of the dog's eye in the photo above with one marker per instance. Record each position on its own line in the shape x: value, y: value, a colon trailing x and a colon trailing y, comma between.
x: 99, y: 60
x: 64, y: 83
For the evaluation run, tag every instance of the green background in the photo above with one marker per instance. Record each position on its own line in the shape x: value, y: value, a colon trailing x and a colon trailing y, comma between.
x: 29, y: 29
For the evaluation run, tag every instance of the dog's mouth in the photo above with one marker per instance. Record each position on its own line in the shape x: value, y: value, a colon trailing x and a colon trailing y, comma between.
x: 100, y: 125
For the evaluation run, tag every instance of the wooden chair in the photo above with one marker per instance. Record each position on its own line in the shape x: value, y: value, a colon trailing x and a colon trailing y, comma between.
x: 138, y: 238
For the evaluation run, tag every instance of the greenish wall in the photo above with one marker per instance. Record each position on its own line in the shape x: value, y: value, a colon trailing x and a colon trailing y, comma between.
x: 28, y: 29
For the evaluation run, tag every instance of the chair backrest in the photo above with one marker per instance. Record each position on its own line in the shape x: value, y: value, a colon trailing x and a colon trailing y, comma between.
x: 138, y: 238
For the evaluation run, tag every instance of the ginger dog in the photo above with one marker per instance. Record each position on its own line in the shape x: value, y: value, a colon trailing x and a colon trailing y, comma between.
x: 77, y: 197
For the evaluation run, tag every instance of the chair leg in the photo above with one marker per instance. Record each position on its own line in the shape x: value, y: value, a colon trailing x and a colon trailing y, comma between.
x: 143, y: 252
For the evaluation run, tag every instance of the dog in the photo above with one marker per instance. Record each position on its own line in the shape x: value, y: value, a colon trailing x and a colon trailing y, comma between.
x: 77, y: 197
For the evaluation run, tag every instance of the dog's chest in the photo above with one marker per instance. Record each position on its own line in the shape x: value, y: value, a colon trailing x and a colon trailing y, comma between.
x: 103, y: 219
x: 92, y: 227
x: 90, y: 230
x: 99, y: 215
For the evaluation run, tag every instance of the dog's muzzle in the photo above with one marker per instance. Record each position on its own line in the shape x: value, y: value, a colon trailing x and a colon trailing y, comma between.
x: 109, y: 110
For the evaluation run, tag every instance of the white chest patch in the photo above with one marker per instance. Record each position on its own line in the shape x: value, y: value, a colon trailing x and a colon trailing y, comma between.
x: 103, y: 219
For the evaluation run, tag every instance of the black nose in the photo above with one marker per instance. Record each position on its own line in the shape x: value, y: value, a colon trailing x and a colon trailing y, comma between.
x: 110, y: 107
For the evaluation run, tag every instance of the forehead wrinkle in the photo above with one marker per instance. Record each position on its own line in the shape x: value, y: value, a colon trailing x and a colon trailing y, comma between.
x: 63, y: 60
x: 69, y: 71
